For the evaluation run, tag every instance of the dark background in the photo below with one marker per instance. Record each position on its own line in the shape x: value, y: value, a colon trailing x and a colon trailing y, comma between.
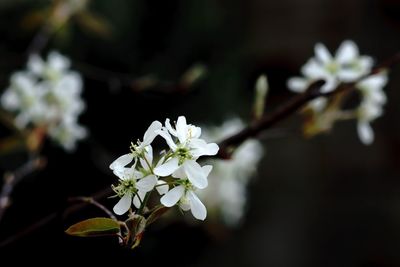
x: 326, y: 201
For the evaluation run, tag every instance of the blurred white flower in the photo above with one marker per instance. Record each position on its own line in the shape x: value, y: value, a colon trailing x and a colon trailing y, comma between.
x: 226, y: 194
x: 48, y: 95
x: 347, y: 66
x: 371, y: 107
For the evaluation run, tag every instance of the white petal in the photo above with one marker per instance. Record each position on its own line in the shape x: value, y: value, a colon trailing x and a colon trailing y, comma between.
x: 195, y: 174
x: 194, y: 132
x: 151, y: 133
x: 181, y: 129
x: 347, y: 52
x: 349, y: 75
x: 211, y: 149
x: 207, y: 169
x: 123, y: 204
x: 148, y: 154
x: 168, y: 139
x: 57, y: 61
x: 185, y: 206
x: 199, y: 147
x: 162, y: 187
x: 169, y: 128
x: 198, y: 209
x: 318, y: 104
x: 138, y: 202
x: 329, y: 86
x: 121, y: 161
x: 173, y: 196
x: 147, y: 183
x: 313, y: 70
x: 69, y: 85
x: 125, y: 173
x: 378, y: 97
x: 365, y: 133
x: 297, y: 84
x: 179, y: 173
x: 10, y: 100
x: 35, y: 64
x: 322, y: 53
x: 167, y: 168
x: 365, y: 63
x: 374, y: 81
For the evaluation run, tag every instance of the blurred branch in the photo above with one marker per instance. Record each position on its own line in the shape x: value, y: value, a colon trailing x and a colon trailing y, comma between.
x: 40, y: 40
x: 11, y: 179
x: 148, y: 82
x: 312, y: 92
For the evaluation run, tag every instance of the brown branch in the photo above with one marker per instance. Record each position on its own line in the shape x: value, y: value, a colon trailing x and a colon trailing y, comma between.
x: 313, y: 92
x: 11, y: 179
x: 269, y: 120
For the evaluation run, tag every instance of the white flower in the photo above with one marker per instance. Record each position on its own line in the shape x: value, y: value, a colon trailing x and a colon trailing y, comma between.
x: 133, y: 184
x: 371, y: 107
x: 187, y: 149
x: 184, y: 195
x: 226, y: 194
x: 142, y: 149
x: 346, y: 66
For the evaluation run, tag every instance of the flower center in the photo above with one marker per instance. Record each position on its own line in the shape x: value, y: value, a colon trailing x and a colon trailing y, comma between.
x: 125, y: 186
x: 332, y: 67
x: 183, y: 154
x: 188, y: 185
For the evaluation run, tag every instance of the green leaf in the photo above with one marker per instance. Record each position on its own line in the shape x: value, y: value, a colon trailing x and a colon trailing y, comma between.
x: 94, y: 227
x: 156, y: 213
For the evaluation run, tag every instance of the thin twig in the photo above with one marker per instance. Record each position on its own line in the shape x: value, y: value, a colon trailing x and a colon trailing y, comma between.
x: 11, y: 179
x: 91, y: 200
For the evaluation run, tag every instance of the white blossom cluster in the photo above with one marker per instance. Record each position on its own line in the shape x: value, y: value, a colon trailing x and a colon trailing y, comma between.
x: 176, y: 175
x: 346, y: 66
x: 47, y: 94
x: 226, y: 196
